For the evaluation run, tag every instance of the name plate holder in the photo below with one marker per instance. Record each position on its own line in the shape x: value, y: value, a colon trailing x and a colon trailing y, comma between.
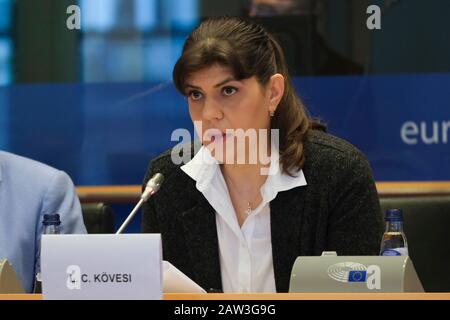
x: 101, y: 267
x: 332, y: 273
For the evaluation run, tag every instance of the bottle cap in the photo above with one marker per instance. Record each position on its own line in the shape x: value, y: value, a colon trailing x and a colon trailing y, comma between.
x: 394, y: 215
x: 51, y: 219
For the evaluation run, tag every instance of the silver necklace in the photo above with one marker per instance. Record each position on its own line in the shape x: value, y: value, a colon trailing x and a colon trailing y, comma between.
x: 249, y: 209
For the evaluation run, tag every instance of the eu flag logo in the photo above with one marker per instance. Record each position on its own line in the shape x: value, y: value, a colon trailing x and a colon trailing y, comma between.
x: 357, y: 276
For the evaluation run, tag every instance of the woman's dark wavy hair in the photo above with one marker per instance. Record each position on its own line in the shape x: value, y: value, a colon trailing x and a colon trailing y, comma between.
x: 248, y: 50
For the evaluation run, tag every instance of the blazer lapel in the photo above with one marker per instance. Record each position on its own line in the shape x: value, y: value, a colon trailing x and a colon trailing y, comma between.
x: 199, y: 224
x: 285, y: 218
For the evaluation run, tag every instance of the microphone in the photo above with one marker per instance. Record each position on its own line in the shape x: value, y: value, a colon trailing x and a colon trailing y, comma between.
x: 151, y: 188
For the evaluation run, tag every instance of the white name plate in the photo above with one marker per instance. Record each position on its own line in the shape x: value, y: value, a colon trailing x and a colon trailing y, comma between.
x: 101, y: 267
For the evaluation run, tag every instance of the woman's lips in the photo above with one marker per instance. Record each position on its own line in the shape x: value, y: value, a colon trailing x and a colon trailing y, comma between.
x: 218, y: 137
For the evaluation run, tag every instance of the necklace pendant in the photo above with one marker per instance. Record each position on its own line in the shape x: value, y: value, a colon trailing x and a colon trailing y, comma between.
x: 249, y: 209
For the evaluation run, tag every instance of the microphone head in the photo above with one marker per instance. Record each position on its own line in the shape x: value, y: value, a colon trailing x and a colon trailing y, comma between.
x: 152, y: 186
x: 155, y: 182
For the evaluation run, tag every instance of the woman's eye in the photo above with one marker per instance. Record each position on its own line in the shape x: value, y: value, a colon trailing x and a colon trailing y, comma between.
x: 228, y: 91
x: 195, y: 95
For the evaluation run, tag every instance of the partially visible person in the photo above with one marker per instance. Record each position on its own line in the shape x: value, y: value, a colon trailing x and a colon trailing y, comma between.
x: 28, y: 190
x: 280, y: 7
x: 298, y: 36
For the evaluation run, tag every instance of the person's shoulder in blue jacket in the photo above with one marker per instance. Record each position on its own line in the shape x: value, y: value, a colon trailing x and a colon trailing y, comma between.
x: 28, y: 190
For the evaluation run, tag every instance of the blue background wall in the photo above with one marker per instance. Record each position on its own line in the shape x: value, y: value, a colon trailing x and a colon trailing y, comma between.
x: 105, y: 134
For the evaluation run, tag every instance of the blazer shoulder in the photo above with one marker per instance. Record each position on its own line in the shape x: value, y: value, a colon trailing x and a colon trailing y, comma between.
x: 324, y: 145
x: 170, y: 161
x: 327, y: 156
x: 15, y: 165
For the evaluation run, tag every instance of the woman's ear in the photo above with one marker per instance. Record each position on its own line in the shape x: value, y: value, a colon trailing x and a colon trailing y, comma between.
x: 276, y: 91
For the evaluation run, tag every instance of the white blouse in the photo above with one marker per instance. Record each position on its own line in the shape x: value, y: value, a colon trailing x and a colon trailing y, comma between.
x: 245, y: 252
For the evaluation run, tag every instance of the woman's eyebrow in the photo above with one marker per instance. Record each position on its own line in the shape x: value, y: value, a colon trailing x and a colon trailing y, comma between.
x: 191, y: 86
x: 215, y: 86
x: 224, y: 81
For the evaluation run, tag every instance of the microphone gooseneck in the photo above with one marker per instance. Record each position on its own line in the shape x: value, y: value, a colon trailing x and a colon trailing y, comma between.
x: 151, y: 188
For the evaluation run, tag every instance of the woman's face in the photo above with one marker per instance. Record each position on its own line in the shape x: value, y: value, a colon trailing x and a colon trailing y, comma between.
x: 220, y: 104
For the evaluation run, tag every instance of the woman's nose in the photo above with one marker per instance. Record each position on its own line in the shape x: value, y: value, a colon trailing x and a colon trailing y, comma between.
x: 212, y: 110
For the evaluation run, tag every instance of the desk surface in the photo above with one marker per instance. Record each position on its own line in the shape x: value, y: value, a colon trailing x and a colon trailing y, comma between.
x: 276, y: 296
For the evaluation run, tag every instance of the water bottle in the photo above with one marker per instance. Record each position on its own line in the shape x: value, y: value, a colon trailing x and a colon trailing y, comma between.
x: 51, y: 225
x: 394, y: 239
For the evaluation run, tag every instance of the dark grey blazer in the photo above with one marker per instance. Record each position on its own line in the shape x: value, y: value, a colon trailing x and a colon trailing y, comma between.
x: 338, y: 211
